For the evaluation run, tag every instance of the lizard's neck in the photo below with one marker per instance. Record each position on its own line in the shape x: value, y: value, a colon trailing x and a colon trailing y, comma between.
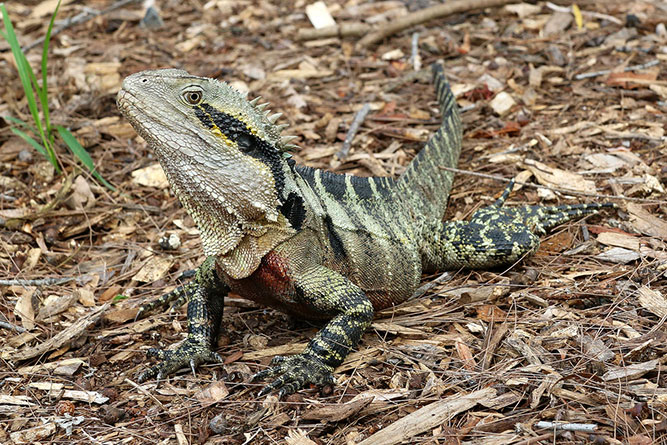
x: 238, y: 221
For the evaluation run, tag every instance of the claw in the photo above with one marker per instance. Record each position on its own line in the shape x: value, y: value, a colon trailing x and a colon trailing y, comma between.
x: 294, y: 373
x: 189, y: 353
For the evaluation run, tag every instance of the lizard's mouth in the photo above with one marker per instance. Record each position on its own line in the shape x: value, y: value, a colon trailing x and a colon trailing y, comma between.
x: 127, y: 104
x: 137, y: 113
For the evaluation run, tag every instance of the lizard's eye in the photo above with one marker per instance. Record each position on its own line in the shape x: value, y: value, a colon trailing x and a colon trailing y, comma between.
x: 193, y: 97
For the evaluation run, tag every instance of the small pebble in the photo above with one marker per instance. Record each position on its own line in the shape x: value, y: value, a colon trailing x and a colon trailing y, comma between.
x: 171, y: 242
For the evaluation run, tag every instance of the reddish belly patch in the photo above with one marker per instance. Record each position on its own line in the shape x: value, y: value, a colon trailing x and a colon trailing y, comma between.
x: 269, y: 285
x: 273, y: 273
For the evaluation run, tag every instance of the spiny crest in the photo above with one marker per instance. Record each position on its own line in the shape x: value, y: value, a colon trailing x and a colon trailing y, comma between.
x: 285, y: 140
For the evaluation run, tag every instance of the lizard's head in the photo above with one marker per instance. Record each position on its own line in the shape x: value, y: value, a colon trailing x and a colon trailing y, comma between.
x: 213, y: 143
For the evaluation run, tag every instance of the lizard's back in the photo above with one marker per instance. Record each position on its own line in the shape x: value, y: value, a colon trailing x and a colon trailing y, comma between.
x: 371, y: 228
x: 364, y: 232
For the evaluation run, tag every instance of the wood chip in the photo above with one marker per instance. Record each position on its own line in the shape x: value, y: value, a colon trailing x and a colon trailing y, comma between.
x: 292, y: 348
x: 33, y: 435
x: 619, y: 240
x: 653, y: 301
x: 63, y: 367
x: 154, y: 269
x: 630, y: 372
x: 428, y: 417
x: 523, y: 9
x: 298, y: 74
x: 319, y: 15
x: 502, y: 103
x: 337, y: 412
x: 647, y: 223
x: 16, y: 400
x: 151, y: 176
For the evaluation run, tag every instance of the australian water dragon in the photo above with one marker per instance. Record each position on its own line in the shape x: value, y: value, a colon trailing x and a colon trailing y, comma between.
x: 313, y: 243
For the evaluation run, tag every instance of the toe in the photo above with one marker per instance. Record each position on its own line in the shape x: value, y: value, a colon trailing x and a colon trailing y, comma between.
x: 276, y: 384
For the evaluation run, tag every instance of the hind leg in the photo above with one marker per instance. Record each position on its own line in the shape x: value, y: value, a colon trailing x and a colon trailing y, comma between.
x: 495, y: 235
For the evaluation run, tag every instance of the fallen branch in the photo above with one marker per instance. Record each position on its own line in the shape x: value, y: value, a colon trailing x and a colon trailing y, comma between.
x: 425, y: 15
x: 588, y: 14
x: 61, y: 338
x: 626, y: 69
x: 12, y: 327
x: 342, y: 30
x: 38, y: 281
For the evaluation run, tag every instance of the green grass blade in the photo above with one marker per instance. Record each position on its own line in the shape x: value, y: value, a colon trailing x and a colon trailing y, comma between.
x: 36, y: 145
x: 28, y: 79
x: 21, y: 63
x: 81, y: 153
x: 19, y: 122
x: 44, y: 92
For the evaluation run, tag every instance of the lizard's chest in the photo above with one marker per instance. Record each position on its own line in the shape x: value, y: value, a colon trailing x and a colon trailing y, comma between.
x: 272, y: 284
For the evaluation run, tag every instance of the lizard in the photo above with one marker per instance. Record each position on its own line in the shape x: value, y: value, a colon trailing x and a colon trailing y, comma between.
x: 313, y: 243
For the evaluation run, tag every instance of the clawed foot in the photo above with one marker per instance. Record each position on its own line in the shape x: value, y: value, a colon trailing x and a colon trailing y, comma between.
x: 539, y: 219
x: 189, y: 353
x: 294, y: 373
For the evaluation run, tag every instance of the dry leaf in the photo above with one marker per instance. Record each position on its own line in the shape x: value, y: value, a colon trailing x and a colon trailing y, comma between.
x: 298, y: 437
x: 155, y: 268
x: 557, y: 178
x: 558, y: 22
x: 465, y: 355
x: 490, y: 312
x: 646, y: 223
x: 213, y: 393
x: 618, y: 255
x: 24, y: 308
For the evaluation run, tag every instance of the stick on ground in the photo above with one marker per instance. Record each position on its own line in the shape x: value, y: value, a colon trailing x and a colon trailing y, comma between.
x: 425, y: 15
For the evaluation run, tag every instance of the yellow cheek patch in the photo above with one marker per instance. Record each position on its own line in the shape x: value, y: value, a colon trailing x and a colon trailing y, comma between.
x: 216, y: 131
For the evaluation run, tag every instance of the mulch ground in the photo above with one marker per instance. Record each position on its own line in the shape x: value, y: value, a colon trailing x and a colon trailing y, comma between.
x: 572, y: 100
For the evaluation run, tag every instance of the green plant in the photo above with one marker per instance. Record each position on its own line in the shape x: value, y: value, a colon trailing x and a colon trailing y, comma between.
x: 38, y: 98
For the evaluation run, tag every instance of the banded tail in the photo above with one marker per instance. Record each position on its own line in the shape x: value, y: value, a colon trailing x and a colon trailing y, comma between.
x: 425, y: 185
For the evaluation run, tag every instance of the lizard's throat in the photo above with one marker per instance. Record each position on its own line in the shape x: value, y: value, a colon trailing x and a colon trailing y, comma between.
x: 226, y: 204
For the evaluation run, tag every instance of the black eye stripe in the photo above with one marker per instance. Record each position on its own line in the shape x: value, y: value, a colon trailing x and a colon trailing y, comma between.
x: 237, y: 131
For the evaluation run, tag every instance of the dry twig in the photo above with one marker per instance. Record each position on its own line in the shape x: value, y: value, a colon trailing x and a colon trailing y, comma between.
x: 425, y: 15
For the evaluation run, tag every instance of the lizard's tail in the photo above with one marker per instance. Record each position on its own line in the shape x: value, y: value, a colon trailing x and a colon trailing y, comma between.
x: 424, y: 184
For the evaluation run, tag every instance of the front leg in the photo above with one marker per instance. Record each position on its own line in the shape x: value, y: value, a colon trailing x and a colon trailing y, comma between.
x: 205, y: 296
x: 326, y: 292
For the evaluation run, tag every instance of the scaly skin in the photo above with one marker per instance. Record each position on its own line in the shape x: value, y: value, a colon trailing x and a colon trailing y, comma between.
x: 313, y: 243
